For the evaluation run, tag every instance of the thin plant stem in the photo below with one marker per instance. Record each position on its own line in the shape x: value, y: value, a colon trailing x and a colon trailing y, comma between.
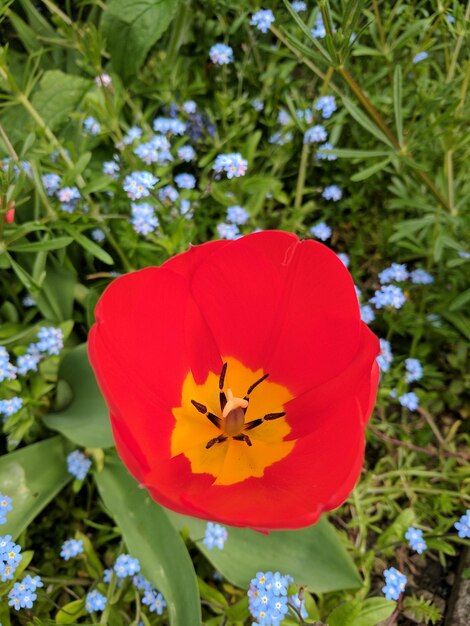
x: 458, y: 46
x: 298, y: 54
x: 299, y: 190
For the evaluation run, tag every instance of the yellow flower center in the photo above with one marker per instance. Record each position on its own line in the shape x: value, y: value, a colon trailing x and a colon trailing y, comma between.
x: 233, y: 425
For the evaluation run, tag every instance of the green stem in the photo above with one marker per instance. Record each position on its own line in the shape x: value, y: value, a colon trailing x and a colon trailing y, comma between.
x: 125, y: 261
x: 458, y: 46
x: 449, y: 168
x: 109, y: 596
x: 299, y: 190
x: 298, y: 54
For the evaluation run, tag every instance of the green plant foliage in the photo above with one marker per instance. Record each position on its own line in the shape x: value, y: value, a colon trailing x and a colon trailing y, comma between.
x: 314, y: 556
x: 151, y: 538
x: 32, y: 477
x: 131, y: 29
x: 85, y: 419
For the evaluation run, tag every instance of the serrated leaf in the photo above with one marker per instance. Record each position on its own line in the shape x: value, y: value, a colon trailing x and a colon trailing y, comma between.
x: 85, y: 421
x: 58, y: 95
x: 132, y: 28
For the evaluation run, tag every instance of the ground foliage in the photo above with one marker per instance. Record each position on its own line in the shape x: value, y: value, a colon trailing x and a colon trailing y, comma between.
x: 397, y: 153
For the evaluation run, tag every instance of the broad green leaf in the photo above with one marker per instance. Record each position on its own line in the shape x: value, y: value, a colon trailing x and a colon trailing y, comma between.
x: 152, y: 538
x: 55, y: 300
x: 32, y: 477
x: 374, y: 611
x: 314, y: 556
x: 132, y: 28
x: 59, y: 94
x: 36, y: 246
x: 85, y: 421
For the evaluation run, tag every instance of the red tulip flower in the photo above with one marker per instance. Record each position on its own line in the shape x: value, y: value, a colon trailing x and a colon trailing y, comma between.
x: 239, y: 378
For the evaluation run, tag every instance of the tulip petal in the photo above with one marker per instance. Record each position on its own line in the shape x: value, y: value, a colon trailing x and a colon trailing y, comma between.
x: 287, y: 306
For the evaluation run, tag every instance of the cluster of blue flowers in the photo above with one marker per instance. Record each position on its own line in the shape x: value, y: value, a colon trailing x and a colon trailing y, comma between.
x: 95, y: 601
x: 78, y: 464
x: 151, y: 597
x: 139, y: 184
x: 262, y: 19
x: 23, y: 593
x: 332, y: 192
x: 395, y: 583
x: 71, y: 548
x: 269, y: 600
x: 144, y: 220
x: 7, y: 369
x: 233, y: 164
x: 169, y: 125
x: 221, y: 54
x: 125, y: 565
x: 10, y: 557
x: 156, y: 150
x: 321, y: 231
x: 315, y: 134
x: 236, y: 216
x: 415, y: 539
x: 50, y: 342
x: 91, y: 126
x: 319, y: 29
x: 215, y: 536
x: 388, y: 296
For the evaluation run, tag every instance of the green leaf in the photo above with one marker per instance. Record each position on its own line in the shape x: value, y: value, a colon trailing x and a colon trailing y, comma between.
x: 85, y: 421
x: 150, y: 537
x: 132, y: 28
x: 71, y: 175
x: 55, y: 300
x: 314, y: 556
x: 347, y: 153
x: 89, y: 245
x: 344, y: 614
x: 32, y: 477
x: 36, y: 246
x: 460, y: 301
x: 24, y: 277
x: 71, y: 612
x: 374, y: 611
x: 370, y: 171
x: 362, y: 119
x: 59, y: 94
x: 396, y: 530
x: 397, y: 99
